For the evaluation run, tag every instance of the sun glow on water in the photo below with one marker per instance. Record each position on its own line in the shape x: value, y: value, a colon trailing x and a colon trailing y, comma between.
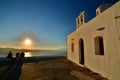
x: 28, y: 54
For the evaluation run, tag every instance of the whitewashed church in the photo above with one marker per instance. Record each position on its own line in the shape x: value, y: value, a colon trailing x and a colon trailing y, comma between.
x: 96, y: 44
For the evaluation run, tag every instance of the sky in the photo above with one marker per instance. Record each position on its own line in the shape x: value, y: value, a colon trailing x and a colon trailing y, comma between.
x: 47, y: 23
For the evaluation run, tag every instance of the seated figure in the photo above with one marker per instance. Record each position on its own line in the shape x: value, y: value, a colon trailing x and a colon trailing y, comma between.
x: 22, y: 54
x: 10, y: 55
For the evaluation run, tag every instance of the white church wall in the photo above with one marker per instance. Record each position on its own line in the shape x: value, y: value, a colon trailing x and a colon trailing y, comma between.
x: 108, y: 27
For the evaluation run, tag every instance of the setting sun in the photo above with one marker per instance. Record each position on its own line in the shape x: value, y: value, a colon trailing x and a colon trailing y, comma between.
x: 27, y: 42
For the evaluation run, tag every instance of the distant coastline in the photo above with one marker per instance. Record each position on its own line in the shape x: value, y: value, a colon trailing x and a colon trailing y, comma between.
x: 13, y: 50
x: 32, y: 53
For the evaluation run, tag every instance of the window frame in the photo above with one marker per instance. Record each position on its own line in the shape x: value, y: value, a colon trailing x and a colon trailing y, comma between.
x: 99, y: 45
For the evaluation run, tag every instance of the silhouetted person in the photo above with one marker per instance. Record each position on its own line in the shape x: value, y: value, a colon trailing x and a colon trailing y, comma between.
x: 17, y: 55
x: 22, y: 54
x: 10, y: 55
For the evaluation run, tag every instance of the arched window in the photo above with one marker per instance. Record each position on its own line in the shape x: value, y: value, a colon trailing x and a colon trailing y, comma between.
x: 99, y: 45
x: 72, y: 47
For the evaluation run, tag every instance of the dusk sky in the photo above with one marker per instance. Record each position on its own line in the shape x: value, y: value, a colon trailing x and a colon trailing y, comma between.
x: 46, y: 23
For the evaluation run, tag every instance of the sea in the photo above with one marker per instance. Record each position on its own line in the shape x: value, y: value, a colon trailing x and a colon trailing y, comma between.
x: 41, y: 53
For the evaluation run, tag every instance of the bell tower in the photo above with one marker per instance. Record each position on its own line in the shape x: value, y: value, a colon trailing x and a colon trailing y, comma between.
x: 81, y: 19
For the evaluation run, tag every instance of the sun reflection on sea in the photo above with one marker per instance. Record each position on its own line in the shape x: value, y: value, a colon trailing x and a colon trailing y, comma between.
x: 28, y: 54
